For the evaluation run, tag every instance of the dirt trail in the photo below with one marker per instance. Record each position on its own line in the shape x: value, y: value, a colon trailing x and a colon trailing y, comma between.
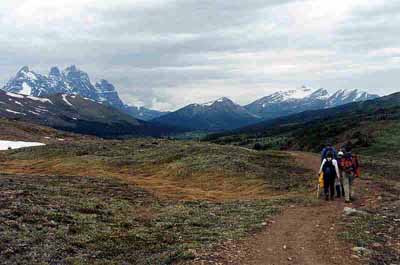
x: 300, y: 235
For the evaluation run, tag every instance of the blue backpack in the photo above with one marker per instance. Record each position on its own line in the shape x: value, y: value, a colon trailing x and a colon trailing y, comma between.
x: 328, y: 168
x: 326, y: 150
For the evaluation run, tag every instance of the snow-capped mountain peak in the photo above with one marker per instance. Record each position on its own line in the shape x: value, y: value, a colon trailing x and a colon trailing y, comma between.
x: 220, y: 100
x: 292, y: 101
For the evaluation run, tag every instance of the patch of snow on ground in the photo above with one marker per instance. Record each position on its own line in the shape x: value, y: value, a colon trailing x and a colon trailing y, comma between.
x: 26, y: 89
x: 5, y: 145
x: 64, y: 97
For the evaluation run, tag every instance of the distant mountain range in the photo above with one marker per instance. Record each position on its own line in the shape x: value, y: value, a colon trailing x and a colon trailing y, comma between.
x: 284, y: 103
x: 363, y: 123
x: 76, y: 114
x: 73, y: 81
x: 221, y: 114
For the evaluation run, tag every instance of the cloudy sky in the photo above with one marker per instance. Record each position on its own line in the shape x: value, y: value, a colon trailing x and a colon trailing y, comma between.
x: 167, y: 53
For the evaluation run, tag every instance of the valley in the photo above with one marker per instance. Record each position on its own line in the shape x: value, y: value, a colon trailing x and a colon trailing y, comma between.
x: 210, y: 183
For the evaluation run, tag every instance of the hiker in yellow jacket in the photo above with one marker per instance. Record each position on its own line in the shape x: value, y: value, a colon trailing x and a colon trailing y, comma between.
x: 330, y: 169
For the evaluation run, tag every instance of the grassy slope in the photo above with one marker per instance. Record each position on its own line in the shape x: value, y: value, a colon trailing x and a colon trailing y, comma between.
x: 22, y: 131
x: 187, y: 170
x: 130, y: 210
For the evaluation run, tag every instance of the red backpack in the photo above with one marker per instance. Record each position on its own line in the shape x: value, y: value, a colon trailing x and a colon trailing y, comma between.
x: 347, y: 164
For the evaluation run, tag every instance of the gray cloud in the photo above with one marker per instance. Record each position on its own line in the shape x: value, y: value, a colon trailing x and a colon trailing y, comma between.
x: 165, y: 54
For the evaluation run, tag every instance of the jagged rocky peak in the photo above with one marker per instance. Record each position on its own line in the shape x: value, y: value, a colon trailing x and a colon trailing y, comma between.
x: 73, y: 72
x: 105, y: 86
x: 71, y: 80
x: 55, y: 71
x: 24, y: 69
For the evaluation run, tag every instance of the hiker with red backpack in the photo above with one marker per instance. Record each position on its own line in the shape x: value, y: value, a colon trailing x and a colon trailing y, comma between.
x: 330, y: 169
x: 350, y: 170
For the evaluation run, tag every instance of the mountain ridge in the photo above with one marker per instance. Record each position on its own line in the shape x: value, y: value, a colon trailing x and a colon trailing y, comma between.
x: 283, y: 103
x: 77, y: 114
x: 72, y: 80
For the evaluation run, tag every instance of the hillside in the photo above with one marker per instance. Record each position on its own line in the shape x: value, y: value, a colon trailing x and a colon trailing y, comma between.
x: 76, y: 114
x: 13, y: 130
x: 365, y: 124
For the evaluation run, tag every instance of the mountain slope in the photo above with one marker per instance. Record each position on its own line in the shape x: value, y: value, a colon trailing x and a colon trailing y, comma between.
x: 222, y: 114
x: 75, y: 114
x: 358, y: 122
x: 284, y: 103
x: 72, y: 81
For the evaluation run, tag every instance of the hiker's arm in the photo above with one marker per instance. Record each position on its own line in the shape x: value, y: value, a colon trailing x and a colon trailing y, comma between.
x: 322, y: 165
x: 337, y: 168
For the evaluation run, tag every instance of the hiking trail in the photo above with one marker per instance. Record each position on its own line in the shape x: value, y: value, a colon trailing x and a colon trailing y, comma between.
x: 299, y: 235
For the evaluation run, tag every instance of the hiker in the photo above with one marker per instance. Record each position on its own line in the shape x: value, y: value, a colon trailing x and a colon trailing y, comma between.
x: 329, y: 167
x: 350, y: 170
x: 339, y: 183
x: 328, y: 148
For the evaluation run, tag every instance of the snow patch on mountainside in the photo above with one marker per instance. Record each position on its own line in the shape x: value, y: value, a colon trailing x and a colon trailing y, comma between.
x: 64, y: 97
x: 43, y: 100
x: 26, y: 89
x: 210, y: 103
x: 14, y: 95
x: 15, y: 112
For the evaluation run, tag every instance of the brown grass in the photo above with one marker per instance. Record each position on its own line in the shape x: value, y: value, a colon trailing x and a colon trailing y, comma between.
x: 173, y: 177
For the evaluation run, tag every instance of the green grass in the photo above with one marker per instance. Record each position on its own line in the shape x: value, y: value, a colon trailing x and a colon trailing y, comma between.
x: 386, y: 143
x: 83, y: 220
x: 201, y: 166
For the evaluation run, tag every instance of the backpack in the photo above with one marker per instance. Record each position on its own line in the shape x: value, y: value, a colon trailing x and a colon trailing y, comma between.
x: 347, y: 163
x: 326, y: 150
x: 328, y: 168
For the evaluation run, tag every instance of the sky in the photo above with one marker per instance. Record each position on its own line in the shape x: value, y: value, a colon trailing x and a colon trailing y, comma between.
x: 165, y: 54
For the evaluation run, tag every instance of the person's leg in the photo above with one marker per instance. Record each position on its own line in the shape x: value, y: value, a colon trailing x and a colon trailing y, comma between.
x: 338, y: 191
x: 326, y: 186
x: 332, y: 187
x: 341, y: 185
x: 351, y: 192
x: 346, y: 184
